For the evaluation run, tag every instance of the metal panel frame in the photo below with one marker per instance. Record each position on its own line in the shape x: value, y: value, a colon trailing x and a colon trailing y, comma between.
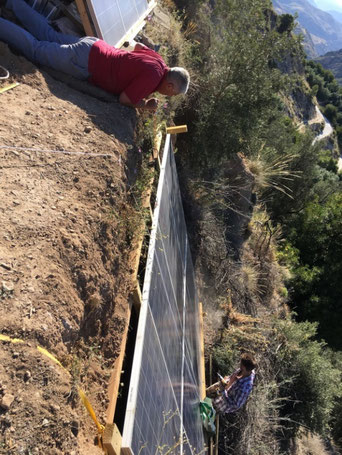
x: 129, y: 28
x: 188, y: 347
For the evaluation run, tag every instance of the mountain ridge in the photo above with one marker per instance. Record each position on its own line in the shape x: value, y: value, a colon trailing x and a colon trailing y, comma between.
x: 324, y: 30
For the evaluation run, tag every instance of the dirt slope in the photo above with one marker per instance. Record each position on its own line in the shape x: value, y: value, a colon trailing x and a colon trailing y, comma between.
x: 64, y: 244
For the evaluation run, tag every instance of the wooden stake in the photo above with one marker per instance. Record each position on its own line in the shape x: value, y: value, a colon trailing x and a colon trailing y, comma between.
x: 8, y: 87
x: 202, y: 362
x: 112, y: 439
x: 217, y: 422
x: 177, y: 129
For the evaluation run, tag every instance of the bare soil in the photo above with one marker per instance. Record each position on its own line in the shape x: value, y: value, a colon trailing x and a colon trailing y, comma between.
x: 65, y: 277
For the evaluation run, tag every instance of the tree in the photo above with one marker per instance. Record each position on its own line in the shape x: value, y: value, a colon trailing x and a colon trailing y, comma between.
x: 237, y: 93
x: 330, y: 112
x: 317, y: 234
x: 286, y: 23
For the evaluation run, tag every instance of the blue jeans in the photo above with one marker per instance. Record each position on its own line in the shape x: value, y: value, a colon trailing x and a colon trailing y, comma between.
x: 42, y: 44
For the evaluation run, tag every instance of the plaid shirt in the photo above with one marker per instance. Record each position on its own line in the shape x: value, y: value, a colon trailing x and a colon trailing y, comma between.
x: 231, y: 400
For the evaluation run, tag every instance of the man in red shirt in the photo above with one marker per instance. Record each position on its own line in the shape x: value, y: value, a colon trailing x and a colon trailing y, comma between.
x: 131, y: 75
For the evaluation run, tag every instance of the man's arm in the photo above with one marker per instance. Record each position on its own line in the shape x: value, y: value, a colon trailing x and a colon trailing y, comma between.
x: 150, y: 104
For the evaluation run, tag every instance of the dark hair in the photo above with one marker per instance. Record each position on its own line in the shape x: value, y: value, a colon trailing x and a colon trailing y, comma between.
x: 248, y: 361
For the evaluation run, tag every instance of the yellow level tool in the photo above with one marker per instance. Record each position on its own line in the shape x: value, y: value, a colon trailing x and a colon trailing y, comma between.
x: 8, y: 87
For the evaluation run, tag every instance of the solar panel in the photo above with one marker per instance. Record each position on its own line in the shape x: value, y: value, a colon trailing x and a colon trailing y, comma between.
x: 114, y: 18
x: 164, y: 392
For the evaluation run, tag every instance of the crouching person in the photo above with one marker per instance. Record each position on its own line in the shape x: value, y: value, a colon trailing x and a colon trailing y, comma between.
x: 231, y: 392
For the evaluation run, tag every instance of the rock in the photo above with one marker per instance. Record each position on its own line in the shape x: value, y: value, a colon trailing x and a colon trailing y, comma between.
x: 5, y: 266
x: 6, y: 401
x: 27, y: 375
x: 74, y: 427
x: 15, y: 355
x: 7, y: 286
x: 55, y: 408
x: 45, y: 422
x: 87, y: 129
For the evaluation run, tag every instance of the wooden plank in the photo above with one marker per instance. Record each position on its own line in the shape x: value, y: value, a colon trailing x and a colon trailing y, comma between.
x: 177, y: 129
x: 115, y: 379
x: 93, y: 16
x: 217, y: 434
x: 126, y: 451
x: 137, y: 297
x: 112, y: 439
x: 87, y: 25
x: 202, y: 361
x: 69, y: 12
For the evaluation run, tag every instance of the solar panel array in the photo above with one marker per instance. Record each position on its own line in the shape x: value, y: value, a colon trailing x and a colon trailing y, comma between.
x: 164, y: 392
x: 114, y: 18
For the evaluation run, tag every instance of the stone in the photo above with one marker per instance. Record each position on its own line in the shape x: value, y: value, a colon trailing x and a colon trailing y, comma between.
x: 87, y: 129
x: 6, y: 401
x: 74, y: 428
x: 27, y: 375
x: 7, y: 286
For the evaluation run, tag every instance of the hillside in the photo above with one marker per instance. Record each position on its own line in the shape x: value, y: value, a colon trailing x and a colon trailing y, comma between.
x: 64, y: 268
x: 263, y: 210
x: 332, y: 61
x: 325, y: 31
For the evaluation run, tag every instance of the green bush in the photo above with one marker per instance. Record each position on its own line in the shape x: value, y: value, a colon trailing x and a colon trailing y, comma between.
x: 315, y: 383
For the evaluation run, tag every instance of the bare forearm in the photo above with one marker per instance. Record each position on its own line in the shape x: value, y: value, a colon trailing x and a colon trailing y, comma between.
x: 150, y: 104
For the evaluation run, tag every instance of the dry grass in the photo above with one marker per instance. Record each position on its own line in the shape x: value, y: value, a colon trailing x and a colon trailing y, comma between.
x: 272, y: 172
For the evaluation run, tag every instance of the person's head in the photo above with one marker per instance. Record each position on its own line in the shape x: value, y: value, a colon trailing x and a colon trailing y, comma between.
x: 247, y: 363
x: 176, y: 81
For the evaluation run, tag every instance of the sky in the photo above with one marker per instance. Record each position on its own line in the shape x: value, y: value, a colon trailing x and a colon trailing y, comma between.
x: 329, y: 5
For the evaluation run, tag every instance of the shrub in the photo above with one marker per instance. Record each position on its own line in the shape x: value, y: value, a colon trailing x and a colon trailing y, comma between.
x: 316, y: 382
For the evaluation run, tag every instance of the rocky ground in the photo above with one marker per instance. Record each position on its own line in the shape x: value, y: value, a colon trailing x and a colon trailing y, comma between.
x: 64, y: 244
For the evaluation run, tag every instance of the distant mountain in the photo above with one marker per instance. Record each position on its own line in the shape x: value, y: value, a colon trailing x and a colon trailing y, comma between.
x: 326, y: 5
x: 332, y: 61
x: 336, y: 15
x: 324, y: 30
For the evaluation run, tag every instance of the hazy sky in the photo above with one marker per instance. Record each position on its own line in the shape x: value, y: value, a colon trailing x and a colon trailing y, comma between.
x: 329, y: 4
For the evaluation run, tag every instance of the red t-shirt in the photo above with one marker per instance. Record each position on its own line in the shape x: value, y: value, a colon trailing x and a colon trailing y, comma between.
x: 137, y: 73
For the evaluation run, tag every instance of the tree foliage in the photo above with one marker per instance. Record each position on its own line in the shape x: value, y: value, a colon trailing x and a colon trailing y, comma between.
x: 238, y: 91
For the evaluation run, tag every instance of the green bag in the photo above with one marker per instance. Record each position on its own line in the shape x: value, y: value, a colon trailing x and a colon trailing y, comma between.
x: 208, y: 415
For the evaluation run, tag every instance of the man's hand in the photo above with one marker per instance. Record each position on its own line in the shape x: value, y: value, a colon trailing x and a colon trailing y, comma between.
x: 231, y: 379
x: 140, y: 46
x: 150, y: 105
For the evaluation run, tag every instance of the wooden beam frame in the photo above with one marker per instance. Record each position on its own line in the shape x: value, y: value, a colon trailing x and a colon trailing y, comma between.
x: 202, y: 361
x: 86, y: 22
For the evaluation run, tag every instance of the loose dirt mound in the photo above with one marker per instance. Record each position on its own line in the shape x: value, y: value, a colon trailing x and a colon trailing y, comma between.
x: 65, y: 277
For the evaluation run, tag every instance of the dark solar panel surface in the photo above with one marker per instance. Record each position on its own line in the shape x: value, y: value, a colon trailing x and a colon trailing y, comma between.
x: 163, y: 402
